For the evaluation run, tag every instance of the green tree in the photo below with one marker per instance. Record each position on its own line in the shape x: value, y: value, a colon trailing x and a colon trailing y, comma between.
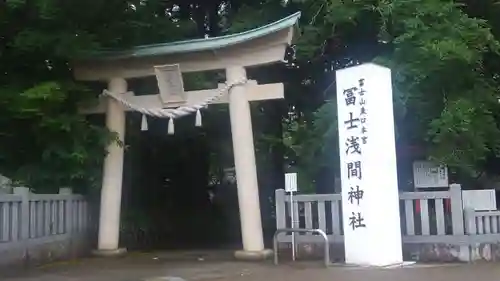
x: 444, y: 56
x: 44, y: 142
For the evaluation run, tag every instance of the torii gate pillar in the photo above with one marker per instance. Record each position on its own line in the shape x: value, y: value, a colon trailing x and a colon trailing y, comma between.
x: 112, y: 176
x: 246, y: 172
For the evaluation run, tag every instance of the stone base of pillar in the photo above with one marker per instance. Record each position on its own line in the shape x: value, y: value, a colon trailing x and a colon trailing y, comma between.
x: 110, y: 253
x: 253, y: 255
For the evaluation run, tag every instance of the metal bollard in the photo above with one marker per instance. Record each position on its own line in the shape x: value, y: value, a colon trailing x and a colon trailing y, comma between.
x: 303, y: 230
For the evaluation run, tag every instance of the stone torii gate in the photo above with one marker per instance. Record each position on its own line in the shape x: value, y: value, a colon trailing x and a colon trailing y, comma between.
x: 167, y: 62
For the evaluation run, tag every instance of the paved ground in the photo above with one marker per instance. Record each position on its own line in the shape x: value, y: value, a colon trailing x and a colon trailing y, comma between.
x: 207, y: 267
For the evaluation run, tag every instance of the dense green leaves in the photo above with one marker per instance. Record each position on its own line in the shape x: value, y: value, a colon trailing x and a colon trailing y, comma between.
x: 44, y: 142
x: 445, y: 95
x: 444, y: 57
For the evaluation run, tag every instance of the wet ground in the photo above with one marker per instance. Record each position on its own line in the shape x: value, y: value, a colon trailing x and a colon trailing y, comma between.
x: 217, y: 266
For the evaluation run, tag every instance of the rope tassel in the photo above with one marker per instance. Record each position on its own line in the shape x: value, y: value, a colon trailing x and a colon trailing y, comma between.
x: 144, y: 123
x: 171, y: 126
x: 198, y: 119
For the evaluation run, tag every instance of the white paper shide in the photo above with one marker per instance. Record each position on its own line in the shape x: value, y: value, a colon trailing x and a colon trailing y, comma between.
x: 370, y: 200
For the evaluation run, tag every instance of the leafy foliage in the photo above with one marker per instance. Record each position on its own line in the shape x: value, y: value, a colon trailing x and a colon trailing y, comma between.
x: 445, y: 95
x: 444, y: 57
x: 44, y: 142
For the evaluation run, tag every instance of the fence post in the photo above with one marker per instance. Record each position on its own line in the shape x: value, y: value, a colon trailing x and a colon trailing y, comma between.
x: 338, y: 186
x: 68, y: 219
x: 470, y: 231
x: 470, y: 221
x: 68, y: 209
x: 5, y: 190
x: 457, y: 210
x: 280, y: 208
x: 24, y: 211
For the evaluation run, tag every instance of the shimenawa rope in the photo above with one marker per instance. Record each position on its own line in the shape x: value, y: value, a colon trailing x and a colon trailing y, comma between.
x: 173, y: 113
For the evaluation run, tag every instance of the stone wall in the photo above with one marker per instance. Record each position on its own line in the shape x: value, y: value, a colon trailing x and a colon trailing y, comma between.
x: 411, y: 252
x: 43, y: 253
x: 452, y: 253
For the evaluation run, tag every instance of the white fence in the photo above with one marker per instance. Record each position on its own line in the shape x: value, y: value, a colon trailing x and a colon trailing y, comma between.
x: 482, y: 226
x: 426, y: 217
x: 28, y: 220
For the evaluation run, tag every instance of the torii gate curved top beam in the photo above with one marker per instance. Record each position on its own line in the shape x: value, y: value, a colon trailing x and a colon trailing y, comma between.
x: 263, y: 45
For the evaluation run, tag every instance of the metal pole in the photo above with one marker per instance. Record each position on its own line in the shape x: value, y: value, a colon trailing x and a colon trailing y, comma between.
x: 302, y: 230
x: 292, y: 223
